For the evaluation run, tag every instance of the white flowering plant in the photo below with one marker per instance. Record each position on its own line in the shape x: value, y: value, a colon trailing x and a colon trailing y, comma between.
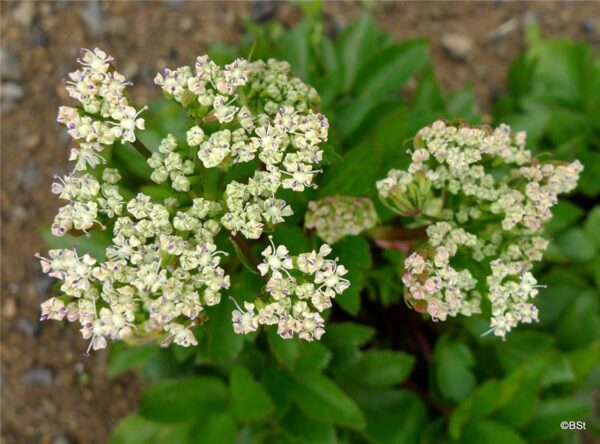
x: 293, y: 251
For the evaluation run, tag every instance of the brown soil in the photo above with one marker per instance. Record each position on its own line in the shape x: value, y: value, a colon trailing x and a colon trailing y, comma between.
x: 51, y: 393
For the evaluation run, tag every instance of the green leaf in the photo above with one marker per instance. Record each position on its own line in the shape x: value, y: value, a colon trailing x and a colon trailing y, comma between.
x: 591, y: 225
x: 453, y: 369
x: 391, y: 68
x: 393, y: 416
x: 137, y: 430
x: 122, y: 358
x: 171, y: 401
x: 428, y: 95
x: 314, y: 357
x: 355, y: 254
x: 343, y: 339
x: 522, y: 346
x: 280, y: 386
x: 321, y: 398
x: 355, y: 45
x: 250, y: 401
x: 558, y: 371
x: 286, y: 351
x: 461, y: 104
x: 519, y: 410
x: 575, y: 245
x: 480, y: 403
x: 94, y: 243
x: 580, y: 324
x: 214, y: 428
x: 218, y: 341
x: 377, y: 368
x: 564, y: 213
x: 561, y: 289
x: 549, y: 415
x: 490, y: 432
x: 349, y: 115
x: 341, y: 334
x: 295, y: 47
x: 306, y: 429
x: 355, y: 175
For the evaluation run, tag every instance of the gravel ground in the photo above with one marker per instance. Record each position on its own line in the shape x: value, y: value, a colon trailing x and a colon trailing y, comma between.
x: 51, y: 393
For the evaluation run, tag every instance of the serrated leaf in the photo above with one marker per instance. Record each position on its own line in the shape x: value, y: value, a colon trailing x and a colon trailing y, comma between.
x: 122, y: 358
x: 490, y: 432
x: 580, y: 324
x: 308, y: 430
x: 377, y: 369
x: 354, y: 253
x: 575, y: 245
x: 355, y: 45
x: 295, y: 47
x: 591, y: 225
x: 218, y: 341
x: 249, y: 400
x: 391, y: 68
x: 549, y: 415
x: 214, y: 428
x: 564, y: 213
x: 393, y: 416
x: 172, y: 401
x: 314, y: 357
x: 286, y: 351
x: 519, y: 410
x: 453, y: 369
x: 342, y: 334
x: 137, y: 430
x: 321, y: 398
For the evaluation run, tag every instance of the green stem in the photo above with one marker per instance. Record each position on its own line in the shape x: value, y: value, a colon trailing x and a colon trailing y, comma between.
x: 246, y: 251
x: 398, y: 233
x: 141, y: 148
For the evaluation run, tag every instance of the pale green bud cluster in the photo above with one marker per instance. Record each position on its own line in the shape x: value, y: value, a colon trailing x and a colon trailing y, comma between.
x: 338, y: 216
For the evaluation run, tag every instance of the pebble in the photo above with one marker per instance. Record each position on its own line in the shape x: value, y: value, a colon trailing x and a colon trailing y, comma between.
x: 458, y: 46
x: 174, y: 3
x: 23, y: 14
x: 10, y: 66
x: 19, y: 213
x: 94, y: 19
x: 9, y: 308
x: 61, y: 440
x: 39, y: 37
x: 10, y: 94
x: 116, y: 26
x: 39, y: 376
x: 28, y: 326
x: 28, y: 176
x: 589, y: 26
x: 261, y: 11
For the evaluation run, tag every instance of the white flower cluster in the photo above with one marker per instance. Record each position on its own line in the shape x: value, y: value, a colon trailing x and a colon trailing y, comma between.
x: 487, y: 183
x: 105, y: 114
x: 162, y: 266
x: 245, y: 112
x: 152, y: 281
x: 298, y: 289
x: 338, y: 216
